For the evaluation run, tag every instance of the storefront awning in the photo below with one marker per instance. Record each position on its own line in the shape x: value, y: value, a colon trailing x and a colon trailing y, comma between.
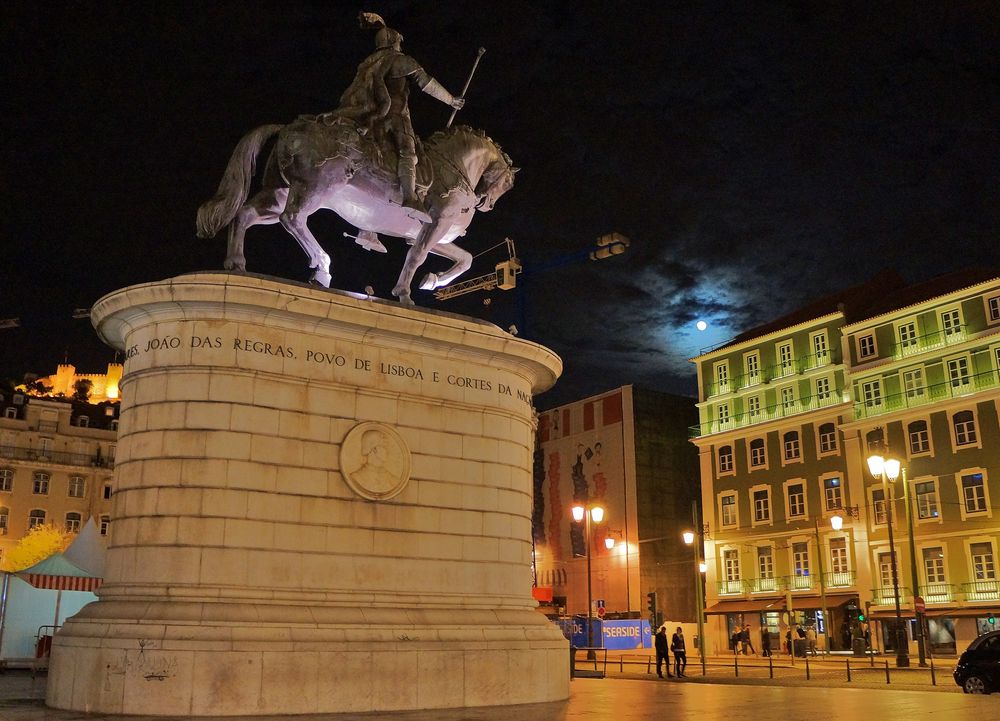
x: 758, y: 605
x: 815, y: 603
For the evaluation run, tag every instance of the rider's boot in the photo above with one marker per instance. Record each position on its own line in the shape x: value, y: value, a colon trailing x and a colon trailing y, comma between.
x: 408, y: 183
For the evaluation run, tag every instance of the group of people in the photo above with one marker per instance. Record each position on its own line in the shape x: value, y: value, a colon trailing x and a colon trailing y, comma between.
x: 663, y: 651
x: 740, y: 641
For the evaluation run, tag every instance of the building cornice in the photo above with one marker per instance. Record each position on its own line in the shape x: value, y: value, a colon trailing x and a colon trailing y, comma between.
x: 890, y: 316
x: 757, y: 340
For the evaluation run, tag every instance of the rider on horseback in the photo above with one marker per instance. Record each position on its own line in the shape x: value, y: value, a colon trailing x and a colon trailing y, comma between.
x: 377, y: 100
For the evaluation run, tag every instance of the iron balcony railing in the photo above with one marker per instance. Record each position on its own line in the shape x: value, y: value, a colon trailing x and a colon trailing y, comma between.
x: 732, y: 588
x: 779, y: 410
x: 58, y: 457
x: 764, y: 585
x: 981, y: 590
x: 928, y: 342
x: 917, y: 397
x: 765, y: 375
x: 884, y: 596
x: 938, y: 592
x: 802, y: 582
x: 840, y: 579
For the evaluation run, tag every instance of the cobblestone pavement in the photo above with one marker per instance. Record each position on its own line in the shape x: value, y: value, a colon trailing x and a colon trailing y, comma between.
x: 626, y: 699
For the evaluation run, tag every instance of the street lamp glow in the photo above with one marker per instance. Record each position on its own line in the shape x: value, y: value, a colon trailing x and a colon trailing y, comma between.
x: 837, y: 522
x: 688, y: 537
x: 876, y: 464
x: 597, y: 514
x: 609, y: 543
x: 578, y: 512
x: 703, y: 567
x: 892, y: 469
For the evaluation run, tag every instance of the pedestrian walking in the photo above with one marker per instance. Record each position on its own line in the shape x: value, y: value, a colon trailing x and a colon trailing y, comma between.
x: 765, y: 642
x: 662, y: 650
x: 680, y: 653
x: 734, y: 640
x: 788, y: 641
x: 811, y: 640
x: 747, y: 643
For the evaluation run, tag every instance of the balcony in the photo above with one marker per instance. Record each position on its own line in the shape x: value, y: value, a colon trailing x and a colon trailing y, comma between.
x: 775, y: 372
x: 732, y: 588
x: 840, y: 579
x: 929, y: 342
x: 798, y: 583
x: 928, y: 394
x: 884, y: 596
x: 938, y: 593
x: 55, y: 457
x: 982, y: 590
x: 779, y: 410
x: 764, y: 585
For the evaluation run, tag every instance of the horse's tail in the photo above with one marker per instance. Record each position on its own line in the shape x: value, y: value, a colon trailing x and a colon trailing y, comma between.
x: 235, y: 184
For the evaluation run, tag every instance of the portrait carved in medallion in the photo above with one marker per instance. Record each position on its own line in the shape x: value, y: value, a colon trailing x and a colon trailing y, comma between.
x: 375, y: 461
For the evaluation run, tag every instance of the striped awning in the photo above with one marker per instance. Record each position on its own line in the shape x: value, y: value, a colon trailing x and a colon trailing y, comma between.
x: 62, y: 583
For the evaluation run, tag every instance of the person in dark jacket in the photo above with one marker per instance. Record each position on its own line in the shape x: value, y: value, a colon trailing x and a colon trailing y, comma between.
x: 680, y: 653
x: 662, y: 651
x: 765, y: 641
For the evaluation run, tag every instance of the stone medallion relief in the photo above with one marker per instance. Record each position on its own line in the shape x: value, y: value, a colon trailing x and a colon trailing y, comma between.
x: 375, y: 461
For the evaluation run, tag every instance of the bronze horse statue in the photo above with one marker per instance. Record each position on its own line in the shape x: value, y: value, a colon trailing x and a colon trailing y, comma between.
x: 328, y: 162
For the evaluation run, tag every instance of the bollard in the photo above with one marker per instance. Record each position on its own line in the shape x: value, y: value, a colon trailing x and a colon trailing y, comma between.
x: 621, y: 664
x: 808, y: 677
x: 572, y: 661
x: 736, y: 664
x: 848, y: 670
x: 887, y: 671
x: 871, y: 655
x: 770, y: 666
x: 933, y: 675
x: 649, y: 660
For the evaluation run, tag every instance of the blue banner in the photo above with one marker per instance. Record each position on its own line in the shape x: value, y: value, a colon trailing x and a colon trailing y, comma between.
x: 625, y: 635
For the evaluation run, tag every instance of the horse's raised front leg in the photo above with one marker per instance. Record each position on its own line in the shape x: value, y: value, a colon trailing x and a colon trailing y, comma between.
x: 415, y: 257
x: 462, y: 262
x: 262, y: 209
x: 298, y: 207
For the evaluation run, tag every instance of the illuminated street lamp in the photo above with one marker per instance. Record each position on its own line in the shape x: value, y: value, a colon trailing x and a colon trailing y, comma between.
x: 889, y: 470
x: 700, y: 567
x: 589, y: 513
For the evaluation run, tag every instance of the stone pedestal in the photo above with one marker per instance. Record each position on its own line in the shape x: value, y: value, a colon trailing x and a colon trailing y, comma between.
x: 322, y: 504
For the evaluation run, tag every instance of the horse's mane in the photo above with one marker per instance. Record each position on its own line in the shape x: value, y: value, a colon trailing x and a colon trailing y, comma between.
x: 442, y: 136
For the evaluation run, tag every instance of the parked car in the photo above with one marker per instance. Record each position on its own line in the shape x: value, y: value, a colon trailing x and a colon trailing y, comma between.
x: 978, y: 669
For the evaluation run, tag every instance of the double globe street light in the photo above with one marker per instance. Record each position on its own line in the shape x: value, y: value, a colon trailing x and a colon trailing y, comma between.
x: 588, y: 513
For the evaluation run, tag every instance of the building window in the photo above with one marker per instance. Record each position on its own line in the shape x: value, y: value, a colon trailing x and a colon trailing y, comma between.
x: 723, y: 415
x: 722, y: 377
x: 83, y: 421
x: 785, y: 359
x: 951, y: 324
x: 10, y: 412
x: 838, y: 555
x: 762, y: 506
x: 965, y: 428
x: 907, y: 336
x: 105, y: 525
x: 974, y: 493
x: 800, y: 558
x: 751, y: 365
x: 729, y: 510
x: 934, y: 564
x: 788, y: 398
x: 114, y: 424
x: 871, y: 392
x: 731, y: 560
x: 958, y: 372
x: 833, y: 494
x: 983, y: 565
x: 927, y: 499
x: 821, y: 348
x: 6, y: 479
x: 40, y: 484
x: 878, y: 506
x: 753, y: 407
x: 792, y: 446
x: 823, y: 389
x: 765, y: 562
x: 827, y: 438
x: 919, y: 437
x: 77, y: 486
x: 36, y: 518
x: 866, y: 346
x: 993, y: 309
x: 885, y: 575
x: 107, y: 491
x: 758, y: 456
x: 726, y: 459
x: 913, y: 383
x: 72, y: 523
x: 796, y: 500
x: 4, y: 517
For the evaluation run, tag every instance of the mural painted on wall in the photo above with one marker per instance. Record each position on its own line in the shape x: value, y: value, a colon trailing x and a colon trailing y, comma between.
x: 582, y: 462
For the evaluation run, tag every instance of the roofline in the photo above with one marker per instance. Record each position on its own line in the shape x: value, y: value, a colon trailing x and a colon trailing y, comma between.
x: 905, y: 310
x: 757, y: 339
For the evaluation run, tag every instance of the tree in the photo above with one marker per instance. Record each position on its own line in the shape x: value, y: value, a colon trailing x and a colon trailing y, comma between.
x: 81, y: 390
x: 38, y: 544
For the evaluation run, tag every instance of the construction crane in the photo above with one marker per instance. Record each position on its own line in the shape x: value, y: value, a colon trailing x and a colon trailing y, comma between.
x: 9, y: 323
x: 503, y: 277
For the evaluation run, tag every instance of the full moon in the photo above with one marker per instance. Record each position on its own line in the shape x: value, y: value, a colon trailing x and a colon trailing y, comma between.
x: 701, y: 325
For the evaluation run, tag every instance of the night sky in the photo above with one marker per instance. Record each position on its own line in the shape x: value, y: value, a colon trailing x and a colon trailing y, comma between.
x: 757, y: 156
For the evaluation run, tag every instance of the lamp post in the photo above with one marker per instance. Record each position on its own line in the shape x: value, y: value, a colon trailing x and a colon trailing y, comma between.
x: 887, y: 469
x: 587, y: 514
x: 822, y: 587
x: 699, y: 568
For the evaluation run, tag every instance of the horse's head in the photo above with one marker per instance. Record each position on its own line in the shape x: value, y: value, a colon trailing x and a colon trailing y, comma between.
x: 496, y: 180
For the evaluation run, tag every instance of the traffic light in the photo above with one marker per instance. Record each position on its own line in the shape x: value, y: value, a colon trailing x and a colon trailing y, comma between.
x: 608, y: 245
x: 861, y: 618
x: 651, y: 603
x: 991, y: 619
